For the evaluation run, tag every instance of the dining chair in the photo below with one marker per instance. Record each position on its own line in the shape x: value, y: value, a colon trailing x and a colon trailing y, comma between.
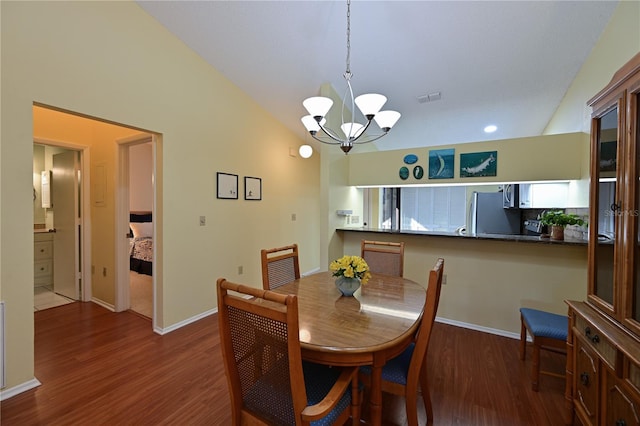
x: 280, y: 266
x: 383, y: 257
x: 401, y: 375
x: 269, y: 383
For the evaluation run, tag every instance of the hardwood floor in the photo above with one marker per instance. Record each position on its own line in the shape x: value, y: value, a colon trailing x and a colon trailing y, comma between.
x: 99, y: 367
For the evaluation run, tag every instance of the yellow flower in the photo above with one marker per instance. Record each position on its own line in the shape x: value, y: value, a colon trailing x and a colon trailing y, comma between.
x: 351, y: 267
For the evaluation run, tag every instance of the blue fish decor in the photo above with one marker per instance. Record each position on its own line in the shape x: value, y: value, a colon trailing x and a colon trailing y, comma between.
x: 410, y: 159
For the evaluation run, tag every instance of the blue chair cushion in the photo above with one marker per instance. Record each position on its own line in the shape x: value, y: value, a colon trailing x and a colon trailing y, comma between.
x: 267, y: 399
x: 396, y: 369
x: 545, y: 324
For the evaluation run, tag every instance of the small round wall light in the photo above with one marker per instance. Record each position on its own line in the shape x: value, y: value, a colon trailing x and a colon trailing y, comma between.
x: 305, y: 151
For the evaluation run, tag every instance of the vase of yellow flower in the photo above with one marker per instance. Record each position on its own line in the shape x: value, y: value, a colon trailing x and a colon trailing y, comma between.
x: 351, y: 272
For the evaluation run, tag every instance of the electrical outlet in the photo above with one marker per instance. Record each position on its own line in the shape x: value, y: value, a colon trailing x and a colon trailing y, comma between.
x: 104, y: 271
x: 355, y: 219
x: 293, y: 217
x: 444, y: 279
x: 240, y: 270
x: 203, y: 220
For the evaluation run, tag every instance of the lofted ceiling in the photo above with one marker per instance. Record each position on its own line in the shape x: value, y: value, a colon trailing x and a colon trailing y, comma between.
x: 507, y: 63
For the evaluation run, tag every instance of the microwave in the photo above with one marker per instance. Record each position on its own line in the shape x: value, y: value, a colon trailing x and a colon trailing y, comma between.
x: 510, y: 196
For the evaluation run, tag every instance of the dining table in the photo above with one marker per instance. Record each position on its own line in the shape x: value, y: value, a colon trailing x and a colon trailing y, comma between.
x: 374, y: 325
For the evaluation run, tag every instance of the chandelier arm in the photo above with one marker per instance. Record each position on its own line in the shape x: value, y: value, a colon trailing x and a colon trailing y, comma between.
x: 328, y: 142
x: 332, y: 134
x: 375, y: 138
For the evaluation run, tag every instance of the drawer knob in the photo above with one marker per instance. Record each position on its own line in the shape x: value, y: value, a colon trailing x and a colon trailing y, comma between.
x: 595, y: 339
x: 621, y: 422
x: 587, y: 331
x: 584, y: 379
x: 41, y: 250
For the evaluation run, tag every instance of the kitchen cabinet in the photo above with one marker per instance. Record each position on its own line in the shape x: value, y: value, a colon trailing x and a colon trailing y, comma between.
x: 544, y: 195
x: 603, y: 344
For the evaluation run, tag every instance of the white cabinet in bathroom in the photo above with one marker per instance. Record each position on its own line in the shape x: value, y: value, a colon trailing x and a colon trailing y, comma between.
x: 43, y: 259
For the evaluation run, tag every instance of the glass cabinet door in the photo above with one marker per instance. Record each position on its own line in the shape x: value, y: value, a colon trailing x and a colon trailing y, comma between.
x: 605, y: 211
x: 634, y: 285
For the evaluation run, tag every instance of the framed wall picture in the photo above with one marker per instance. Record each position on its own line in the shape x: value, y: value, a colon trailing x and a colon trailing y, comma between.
x: 227, y: 186
x: 252, y: 188
x: 441, y: 163
x: 479, y: 164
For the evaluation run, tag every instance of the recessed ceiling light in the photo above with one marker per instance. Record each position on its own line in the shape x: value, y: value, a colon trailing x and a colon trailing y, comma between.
x: 490, y: 128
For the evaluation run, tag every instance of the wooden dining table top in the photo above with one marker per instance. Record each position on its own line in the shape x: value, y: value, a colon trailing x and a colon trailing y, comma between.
x: 347, y: 330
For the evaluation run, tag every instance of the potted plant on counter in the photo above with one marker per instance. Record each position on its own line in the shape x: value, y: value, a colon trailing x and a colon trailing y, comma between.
x: 557, y: 220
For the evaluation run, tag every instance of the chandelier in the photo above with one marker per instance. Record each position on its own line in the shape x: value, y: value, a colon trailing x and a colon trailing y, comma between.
x: 351, y: 132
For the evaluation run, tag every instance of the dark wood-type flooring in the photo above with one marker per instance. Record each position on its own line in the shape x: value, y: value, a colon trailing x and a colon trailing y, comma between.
x: 99, y: 367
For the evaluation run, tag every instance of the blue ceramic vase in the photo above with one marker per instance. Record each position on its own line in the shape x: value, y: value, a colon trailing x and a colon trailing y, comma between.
x: 347, y: 286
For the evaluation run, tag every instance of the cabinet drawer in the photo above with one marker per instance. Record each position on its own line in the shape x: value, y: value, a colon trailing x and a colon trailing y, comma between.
x: 622, y: 405
x: 596, y: 340
x: 42, y: 250
x: 586, y: 382
x: 43, y: 268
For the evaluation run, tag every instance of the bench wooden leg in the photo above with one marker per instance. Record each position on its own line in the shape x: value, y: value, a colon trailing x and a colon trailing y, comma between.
x: 535, y: 367
x: 523, y: 339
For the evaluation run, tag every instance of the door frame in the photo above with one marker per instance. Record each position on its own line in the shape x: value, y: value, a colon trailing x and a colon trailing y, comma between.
x: 85, y: 209
x: 122, y: 302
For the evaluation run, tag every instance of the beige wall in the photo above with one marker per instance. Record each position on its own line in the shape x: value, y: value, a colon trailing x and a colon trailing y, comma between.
x: 554, y: 157
x: 112, y: 61
x: 619, y: 42
x: 488, y: 281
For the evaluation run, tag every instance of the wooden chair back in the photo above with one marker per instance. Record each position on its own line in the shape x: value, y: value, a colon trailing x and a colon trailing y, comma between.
x: 383, y: 257
x: 263, y: 360
x: 279, y: 266
x: 418, y: 365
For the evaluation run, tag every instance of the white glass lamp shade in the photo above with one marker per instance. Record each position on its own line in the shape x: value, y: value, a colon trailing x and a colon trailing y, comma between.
x: 305, y: 151
x: 317, y: 106
x: 386, y: 119
x: 370, y: 103
x: 310, y: 124
x: 352, y: 130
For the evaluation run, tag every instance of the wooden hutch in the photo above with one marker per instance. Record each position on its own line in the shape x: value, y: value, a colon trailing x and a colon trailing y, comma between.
x: 603, y: 345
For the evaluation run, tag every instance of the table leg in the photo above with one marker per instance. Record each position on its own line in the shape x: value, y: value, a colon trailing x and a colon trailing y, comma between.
x: 375, y: 400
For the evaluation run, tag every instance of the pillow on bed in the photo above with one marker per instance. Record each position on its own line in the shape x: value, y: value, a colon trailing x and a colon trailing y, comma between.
x: 141, y: 229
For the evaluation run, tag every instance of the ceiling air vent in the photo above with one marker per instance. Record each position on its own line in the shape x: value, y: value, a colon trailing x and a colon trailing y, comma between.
x: 435, y: 96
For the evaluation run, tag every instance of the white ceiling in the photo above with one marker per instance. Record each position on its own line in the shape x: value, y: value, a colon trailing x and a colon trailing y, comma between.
x: 507, y: 63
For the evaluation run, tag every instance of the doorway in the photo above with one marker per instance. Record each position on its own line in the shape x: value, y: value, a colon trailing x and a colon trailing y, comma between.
x: 136, y: 207
x: 59, y: 274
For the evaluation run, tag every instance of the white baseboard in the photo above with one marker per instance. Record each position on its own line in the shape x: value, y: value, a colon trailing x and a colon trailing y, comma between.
x: 104, y: 304
x: 8, y: 393
x: 188, y: 321
x: 479, y: 328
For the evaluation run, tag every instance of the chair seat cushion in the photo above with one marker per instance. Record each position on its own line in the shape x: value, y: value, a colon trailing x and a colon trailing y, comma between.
x: 265, y: 394
x: 396, y: 369
x: 545, y: 324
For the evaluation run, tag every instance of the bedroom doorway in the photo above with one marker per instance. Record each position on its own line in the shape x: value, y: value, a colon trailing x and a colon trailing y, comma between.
x: 136, y: 207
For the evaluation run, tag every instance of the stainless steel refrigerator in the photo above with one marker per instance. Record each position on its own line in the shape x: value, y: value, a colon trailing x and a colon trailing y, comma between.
x: 487, y: 215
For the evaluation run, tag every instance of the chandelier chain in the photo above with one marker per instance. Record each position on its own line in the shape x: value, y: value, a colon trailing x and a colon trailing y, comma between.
x: 347, y: 74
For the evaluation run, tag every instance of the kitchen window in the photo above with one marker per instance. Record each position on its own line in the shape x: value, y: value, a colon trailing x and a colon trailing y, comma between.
x: 440, y: 208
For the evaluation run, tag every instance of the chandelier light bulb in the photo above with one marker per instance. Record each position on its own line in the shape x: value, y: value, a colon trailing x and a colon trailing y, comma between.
x: 370, y: 103
x: 317, y: 106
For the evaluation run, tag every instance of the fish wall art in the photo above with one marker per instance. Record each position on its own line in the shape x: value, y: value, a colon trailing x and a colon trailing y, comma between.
x: 479, y: 164
x: 441, y: 163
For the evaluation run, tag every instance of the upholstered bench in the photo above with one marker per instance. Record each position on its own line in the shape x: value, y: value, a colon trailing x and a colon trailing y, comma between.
x: 548, y: 331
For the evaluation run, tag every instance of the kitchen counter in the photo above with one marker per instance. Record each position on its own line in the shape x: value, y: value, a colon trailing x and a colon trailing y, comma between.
x: 500, y: 237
